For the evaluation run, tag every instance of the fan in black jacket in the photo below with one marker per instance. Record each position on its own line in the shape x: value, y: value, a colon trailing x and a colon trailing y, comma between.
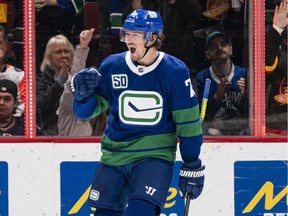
x: 276, y: 72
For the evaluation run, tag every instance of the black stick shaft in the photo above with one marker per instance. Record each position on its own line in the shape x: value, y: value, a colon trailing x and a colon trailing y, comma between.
x: 187, y: 204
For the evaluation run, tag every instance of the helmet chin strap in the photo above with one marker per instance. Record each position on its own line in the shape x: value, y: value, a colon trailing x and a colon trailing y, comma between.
x: 147, y: 49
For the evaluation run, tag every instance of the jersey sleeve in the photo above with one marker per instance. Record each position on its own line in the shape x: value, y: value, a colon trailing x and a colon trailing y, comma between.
x: 185, y: 110
x: 272, y: 43
x: 97, y: 102
x: 90, y: 107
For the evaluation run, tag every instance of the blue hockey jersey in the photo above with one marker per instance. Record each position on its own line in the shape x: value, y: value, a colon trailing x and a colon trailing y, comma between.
x: 149, y: 108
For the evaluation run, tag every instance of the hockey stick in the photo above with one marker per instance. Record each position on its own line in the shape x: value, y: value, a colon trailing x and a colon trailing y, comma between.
x: 187, y: 204
x: 202, y: 116
x: 205, y: 99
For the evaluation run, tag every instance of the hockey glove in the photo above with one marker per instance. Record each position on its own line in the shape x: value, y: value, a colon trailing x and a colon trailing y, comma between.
x: 191, y: 179
x: 83, y: 83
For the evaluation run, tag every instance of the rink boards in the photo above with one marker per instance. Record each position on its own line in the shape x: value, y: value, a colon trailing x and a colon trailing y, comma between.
x: 242, y: 179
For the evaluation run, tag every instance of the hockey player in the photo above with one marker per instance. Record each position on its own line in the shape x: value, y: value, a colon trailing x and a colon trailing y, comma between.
x: 152, y: 103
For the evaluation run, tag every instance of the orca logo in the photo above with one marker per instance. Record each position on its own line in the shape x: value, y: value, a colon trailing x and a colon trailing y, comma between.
x: 140, y: 107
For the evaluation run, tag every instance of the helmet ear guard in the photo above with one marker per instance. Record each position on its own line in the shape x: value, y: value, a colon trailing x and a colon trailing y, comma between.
x: 149, y: 22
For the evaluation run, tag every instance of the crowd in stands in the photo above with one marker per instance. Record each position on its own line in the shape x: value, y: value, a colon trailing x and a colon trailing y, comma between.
x: 210, y: 37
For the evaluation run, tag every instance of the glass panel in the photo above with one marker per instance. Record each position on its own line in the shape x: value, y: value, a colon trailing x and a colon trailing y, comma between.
x: 224, y: 59
x: 12, y: 76
x: 186, y: 37
x: 57, y: 26
x: 276, y: 67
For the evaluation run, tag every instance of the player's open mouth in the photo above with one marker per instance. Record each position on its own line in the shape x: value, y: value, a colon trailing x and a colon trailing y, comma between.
x: 132, y: 49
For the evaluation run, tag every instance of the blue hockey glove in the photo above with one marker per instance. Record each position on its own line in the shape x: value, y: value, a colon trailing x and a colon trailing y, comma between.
x: 83, y: 83
x: 191, y: 179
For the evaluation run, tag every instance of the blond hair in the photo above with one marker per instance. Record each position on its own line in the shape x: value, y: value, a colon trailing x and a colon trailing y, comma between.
x: 50, y: 46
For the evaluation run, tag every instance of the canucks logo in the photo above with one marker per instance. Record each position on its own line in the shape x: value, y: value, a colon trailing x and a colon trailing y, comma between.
x: 140, y: 107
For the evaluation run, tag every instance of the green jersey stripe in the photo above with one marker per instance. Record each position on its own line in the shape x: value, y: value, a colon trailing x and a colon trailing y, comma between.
x: 186, y: 115
x: 158, y: 146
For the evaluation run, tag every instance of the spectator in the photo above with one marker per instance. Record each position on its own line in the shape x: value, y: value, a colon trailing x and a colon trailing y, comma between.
x: 55, y: 66
x: 68, y: 125
x: 10, y: 125
x: 18, y: 40
x: 276, y: 72
x: 57, y: 17
x: 227, y: 106
x: 180, y: 19
x: 235, y: 24
x: 8, y: 103
x: 107, y: 43
x: 221, y: 15
x: 10, y: 72
x: 131, y: 5
x: 111, y: 14
x: 143, y: 88
x: 74, y: 6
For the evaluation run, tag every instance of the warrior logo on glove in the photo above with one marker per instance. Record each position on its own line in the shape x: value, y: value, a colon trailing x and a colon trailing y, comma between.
x: 191, y: 179
x: 190, y: 174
